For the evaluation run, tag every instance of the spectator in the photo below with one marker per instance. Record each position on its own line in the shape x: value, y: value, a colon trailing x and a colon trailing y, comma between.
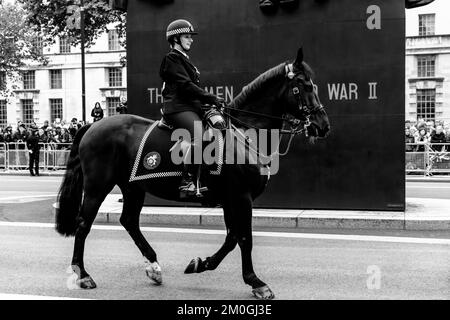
x: 421, y: 125
x: 45, y: 126
x: 73, y: 128
x: 8, y: 135
x: 437, y: 138
x: 33, y: 150
x: 430, y: 128
x: 97, y: 112
x: 42, y: 136
x: 57, y: 122
x: 421, y: 140
x: 122, y: 108
x: 413, y: 131
x: 65, y: 138
x: 20, y: 136
x: 51, y: 136
x: 409, y: 139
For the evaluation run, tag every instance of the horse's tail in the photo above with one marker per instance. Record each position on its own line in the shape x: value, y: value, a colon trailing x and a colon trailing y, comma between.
x: 71, y: 190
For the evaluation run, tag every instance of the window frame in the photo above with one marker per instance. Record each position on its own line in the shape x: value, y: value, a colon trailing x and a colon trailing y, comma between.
x: 427, y: 24
x: 27, y: 115
x: 426, y: 104
x: 3, y: 113
x: 113, y: 40
x: 111, y: 105
x: 29, y: 79
x: 55, y: 78
x: 64, y: 45
x: 426, y: 66
x: 56, y: 102
x: 115, y: 77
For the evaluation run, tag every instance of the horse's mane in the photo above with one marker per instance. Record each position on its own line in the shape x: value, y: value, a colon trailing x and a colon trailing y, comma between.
x: 259, y: 83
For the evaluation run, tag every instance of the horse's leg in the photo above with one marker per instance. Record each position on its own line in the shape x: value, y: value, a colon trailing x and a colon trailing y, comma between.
x: 198, y: 265
x: 88, y: 212
x: 133, y: 200
x: 241, y: 220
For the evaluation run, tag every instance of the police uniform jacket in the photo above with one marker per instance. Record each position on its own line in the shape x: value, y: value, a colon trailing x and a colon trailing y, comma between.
x: 33, y: 142
x: 181, y: 90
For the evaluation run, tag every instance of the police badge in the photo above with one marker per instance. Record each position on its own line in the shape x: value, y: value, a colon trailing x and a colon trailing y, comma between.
x: 152, y: 160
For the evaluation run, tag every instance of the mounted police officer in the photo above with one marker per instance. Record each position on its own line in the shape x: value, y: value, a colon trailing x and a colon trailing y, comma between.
x: 182, y: 95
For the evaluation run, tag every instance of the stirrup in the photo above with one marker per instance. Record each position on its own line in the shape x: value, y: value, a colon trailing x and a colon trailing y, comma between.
x: 187, y: 189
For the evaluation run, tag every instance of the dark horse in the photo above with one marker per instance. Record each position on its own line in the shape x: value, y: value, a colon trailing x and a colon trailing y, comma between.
x: 102, y: 156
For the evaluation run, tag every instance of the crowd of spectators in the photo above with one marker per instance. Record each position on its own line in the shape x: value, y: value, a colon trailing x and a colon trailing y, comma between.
x: 420, y: 134
x: 59, y: 133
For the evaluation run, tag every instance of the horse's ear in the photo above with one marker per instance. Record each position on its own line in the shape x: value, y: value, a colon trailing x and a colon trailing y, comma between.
x: 299, y: 59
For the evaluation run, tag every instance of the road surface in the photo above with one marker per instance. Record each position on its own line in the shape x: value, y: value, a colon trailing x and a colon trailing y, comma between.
x: 297, y: 264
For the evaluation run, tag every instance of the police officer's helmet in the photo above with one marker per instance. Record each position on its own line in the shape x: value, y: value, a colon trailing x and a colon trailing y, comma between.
x: 179, y: 27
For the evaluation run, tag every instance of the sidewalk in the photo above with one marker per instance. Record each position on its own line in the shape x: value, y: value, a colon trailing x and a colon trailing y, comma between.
x: 421, y: 214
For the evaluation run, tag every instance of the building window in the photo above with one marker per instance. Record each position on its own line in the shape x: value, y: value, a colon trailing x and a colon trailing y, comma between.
x: 111, y: 105
x: 113, y: 40
x: 426, y: 24
x: 27, y: 111
x: 115, y: 77
x: 55, y: 79
x: 29, y: 81
x: 64, y: 45
x: 38, y: 47
x: 426, y: 66
x: 56, y: 109
x: 426, y: 104
x: 3, y: 114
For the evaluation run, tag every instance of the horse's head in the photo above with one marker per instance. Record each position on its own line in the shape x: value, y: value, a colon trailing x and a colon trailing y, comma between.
x: 301, y: 99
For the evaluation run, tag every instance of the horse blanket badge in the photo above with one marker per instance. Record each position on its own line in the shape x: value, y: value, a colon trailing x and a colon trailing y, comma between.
x: 152, y: 160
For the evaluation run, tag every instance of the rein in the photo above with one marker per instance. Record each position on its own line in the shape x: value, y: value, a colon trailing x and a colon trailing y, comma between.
x: 294, y: 123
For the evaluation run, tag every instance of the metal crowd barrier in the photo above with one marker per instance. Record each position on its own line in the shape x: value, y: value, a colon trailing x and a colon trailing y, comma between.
x: 420, y: 158
x: 3, y: 156
x: 52, y: 156
x: 427, y: 158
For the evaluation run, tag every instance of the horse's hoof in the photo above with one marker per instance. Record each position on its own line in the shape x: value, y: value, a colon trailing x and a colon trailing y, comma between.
x: 193, y: 265
x: 263, y: 293
x: 153, y: 271
x: 86, y: 283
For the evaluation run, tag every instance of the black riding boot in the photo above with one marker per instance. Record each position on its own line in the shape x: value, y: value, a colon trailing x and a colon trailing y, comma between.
x: 187, y: 186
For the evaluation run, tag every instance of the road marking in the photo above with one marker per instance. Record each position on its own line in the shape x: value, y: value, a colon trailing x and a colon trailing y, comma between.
x: 8, y: 296
x: 35, y: 180
x: 30, y: 196
x: 317, y: 236
x: 24, y: 199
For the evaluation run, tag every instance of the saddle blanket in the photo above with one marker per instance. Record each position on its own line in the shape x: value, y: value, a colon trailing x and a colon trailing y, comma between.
x: 153, y: 159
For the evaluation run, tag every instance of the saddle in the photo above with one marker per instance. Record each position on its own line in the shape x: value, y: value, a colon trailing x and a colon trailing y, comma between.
x: 157, y: 154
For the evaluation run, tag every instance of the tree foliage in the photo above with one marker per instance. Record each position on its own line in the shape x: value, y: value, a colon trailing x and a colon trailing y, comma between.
x: 18, y: 43
x: 62, y: 18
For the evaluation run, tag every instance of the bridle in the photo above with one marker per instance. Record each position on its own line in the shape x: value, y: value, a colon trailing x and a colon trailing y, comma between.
x: 297, y: 126
x: 294, y: 122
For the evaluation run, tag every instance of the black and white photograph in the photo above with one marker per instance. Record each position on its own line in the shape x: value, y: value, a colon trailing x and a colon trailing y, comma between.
x: 224, y: 155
